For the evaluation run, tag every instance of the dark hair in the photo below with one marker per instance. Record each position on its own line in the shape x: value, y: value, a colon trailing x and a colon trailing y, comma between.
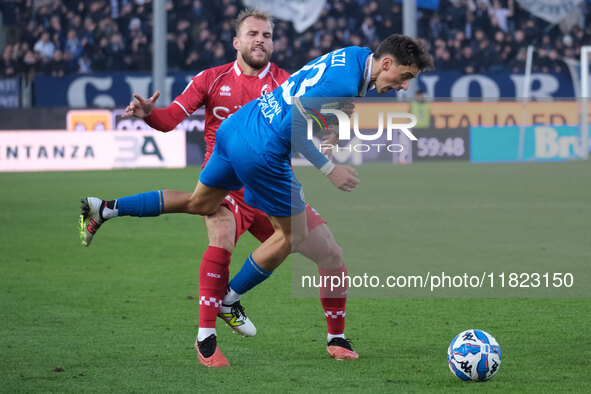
x: 406, y: 52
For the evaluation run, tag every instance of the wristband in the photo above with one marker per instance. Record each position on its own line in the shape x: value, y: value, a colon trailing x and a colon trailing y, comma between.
x: 327, y: 168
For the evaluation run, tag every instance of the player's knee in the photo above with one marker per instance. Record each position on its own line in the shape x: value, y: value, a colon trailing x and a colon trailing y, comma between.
x: 332, y: 256
x: 222, y: 237
x: 198, y: 207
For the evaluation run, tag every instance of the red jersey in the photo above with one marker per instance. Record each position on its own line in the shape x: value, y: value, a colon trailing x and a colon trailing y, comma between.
x: 223, y: 90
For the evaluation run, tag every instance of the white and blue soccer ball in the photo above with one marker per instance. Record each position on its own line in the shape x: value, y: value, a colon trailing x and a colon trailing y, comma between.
x: 474, y: 355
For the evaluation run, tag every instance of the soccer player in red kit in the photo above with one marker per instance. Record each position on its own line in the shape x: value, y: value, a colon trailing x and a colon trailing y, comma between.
x: 223, y: 90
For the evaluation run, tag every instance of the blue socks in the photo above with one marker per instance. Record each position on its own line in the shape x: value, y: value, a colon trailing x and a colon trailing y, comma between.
x: 143, y: 204
x: 249, y: 276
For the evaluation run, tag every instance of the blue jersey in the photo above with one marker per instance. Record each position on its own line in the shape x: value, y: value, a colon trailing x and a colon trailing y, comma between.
x: 268, y: 119
x: 253, y: 146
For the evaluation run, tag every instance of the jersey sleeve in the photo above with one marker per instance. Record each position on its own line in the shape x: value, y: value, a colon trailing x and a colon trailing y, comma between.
x: 338, y: 85
x: 193, y: 97
x: 195, y: 94
x: 165, y: 119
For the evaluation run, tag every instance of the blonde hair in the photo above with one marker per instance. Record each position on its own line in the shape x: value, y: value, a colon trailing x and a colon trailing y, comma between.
x: 255, y: 13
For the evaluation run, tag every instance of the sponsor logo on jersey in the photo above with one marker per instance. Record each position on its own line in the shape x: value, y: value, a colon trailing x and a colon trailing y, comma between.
x: 225, y: 91
x: 265, y: 89
x: 221, y: 112
x: 269, y: 106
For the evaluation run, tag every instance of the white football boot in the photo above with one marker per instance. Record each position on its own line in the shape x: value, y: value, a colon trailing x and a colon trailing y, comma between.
x: 236, y: 319
x: 90, y: 218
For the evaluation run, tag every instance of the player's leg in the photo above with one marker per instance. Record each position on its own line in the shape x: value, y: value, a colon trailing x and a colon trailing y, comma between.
x: 214, y: 274
x: 224, y: 228
x: 204, y: 201
x: 289, y: 232
x: 214, y: 183
x: 321, y: 247
x: 95, y: 211
x: 272, y: 187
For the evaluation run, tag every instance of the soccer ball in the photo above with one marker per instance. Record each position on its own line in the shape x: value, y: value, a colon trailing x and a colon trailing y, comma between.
x: 474, y: 355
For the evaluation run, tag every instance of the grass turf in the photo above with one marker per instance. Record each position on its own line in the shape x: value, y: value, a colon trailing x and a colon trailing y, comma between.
x: 121, y: 315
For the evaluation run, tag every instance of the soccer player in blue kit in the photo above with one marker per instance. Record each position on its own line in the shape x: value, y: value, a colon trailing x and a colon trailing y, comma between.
x: 253, y: 148
x: 254, y: 145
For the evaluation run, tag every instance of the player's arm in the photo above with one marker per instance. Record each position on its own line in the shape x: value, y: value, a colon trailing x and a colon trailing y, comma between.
x: 166, y: 119
x: 337, y: 85
x: 343, y: 177
x: 162, y: 119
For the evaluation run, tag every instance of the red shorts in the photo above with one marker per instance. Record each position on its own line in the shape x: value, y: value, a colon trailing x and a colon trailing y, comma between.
x: 256, y: 221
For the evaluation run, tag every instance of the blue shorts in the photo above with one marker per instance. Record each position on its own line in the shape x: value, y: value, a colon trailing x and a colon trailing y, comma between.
x: 269, y: 182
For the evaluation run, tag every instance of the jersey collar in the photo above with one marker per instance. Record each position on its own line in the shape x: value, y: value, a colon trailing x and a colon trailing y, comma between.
x: 261, y: 75
x: 367, y: 76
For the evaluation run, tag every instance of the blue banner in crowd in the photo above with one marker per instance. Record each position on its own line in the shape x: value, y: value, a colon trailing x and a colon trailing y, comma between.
x: 9, y: 93
x: 101, y: 90
x: 503, y: 84
x: 532, y: 143
x: 114, y: 90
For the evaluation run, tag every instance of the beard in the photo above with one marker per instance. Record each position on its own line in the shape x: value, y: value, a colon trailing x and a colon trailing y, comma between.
x: 253, y: 62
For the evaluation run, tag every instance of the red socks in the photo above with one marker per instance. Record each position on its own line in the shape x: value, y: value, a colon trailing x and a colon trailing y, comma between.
x: 334, y: 301
x: 214, y: 274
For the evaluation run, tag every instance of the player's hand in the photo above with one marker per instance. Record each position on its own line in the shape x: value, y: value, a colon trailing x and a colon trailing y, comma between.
x: 349, y: 108
x: 344, y: 177
x: 142, y: 107
x: 330, y: 140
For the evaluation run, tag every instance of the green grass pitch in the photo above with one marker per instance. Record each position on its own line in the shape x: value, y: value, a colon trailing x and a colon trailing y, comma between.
x: 121, y: 315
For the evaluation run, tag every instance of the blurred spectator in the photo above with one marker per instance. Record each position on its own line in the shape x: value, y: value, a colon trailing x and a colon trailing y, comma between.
x: 197, y: 10
x: 73, y: 45
x: 58, y: 67
x: 99, y: 55
x: 443, y: 60
x: 44, y: 47
x: 8, y: 65
x: 115, y: 35
x: 56, y: 32
x: 193, y: 62
x: 84, y: 64
x: 488, y: 56
x: 116, y: 52
x: 519, y: 40
x: 368, y: 28
x: 29, y: 63
x: 420, y: 108
x: 482, y: 17
x: 11, y: 11
x: 30, y: 33
x: 468, y: 62
x: 437, y: 28
x: 455, y: 15
x: 177, y: 51
x: 139, y: 58
x: 88, y: 32
x: 76, y: 24
x: 554, y: 63
x: 219, y: 57
x: 518, y: 62
x: 531, y: 32
x: 503, y: 15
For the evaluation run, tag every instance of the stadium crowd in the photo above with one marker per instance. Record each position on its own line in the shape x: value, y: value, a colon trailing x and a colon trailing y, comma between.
x: 58, y: 37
